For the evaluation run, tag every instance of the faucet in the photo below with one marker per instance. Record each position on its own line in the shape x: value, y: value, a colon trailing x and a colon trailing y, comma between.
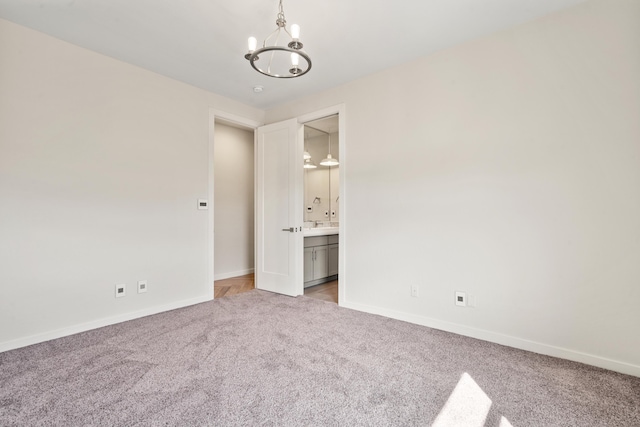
x: 316, y: 223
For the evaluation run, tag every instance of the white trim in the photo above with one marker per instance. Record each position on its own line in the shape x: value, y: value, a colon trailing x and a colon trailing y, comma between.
x: 95, y: 324
x: 498, y: 338
x: 340, y: 110
x: 231, y: 274
x: 233, y: 118
x: 320, y: 114
x: 210, y: 195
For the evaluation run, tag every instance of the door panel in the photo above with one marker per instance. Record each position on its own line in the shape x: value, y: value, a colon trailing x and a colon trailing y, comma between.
x: 276, y: 210
x: 279, y: 251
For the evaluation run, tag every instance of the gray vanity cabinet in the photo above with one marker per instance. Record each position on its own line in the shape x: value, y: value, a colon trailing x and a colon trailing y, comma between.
x: 320, y: 259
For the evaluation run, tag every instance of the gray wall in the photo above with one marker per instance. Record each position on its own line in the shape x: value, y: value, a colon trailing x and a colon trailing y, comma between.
x: 509, y: 168
x: 101, y: 167
x: 506, y: 167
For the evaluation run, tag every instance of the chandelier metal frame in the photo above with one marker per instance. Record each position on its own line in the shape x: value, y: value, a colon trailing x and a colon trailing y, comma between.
x: 294, y: 47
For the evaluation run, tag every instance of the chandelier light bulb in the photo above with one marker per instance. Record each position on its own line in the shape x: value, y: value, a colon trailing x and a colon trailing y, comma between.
x: 253, y: 43
x: 295, y: 60
x: 295, y: 31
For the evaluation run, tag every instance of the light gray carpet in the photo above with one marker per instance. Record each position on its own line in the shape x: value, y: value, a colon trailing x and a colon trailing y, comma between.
x: 264, y: 359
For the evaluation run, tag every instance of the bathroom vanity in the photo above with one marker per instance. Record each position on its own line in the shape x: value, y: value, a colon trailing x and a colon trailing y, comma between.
x: 321, y: 201
x: 320, y: 255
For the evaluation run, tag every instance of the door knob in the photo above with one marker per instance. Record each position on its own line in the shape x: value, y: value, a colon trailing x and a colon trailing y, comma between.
x: 290, y: 229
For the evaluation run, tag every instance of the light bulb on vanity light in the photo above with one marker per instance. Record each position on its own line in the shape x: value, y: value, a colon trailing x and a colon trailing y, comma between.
x: 329, y: 161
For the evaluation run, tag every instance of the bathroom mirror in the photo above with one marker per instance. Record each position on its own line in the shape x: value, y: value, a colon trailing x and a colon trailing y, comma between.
x: 321, y: 184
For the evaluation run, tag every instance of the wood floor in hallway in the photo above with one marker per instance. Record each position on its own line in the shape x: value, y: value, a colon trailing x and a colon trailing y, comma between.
x: 237, y: 285
x: 233, y: 285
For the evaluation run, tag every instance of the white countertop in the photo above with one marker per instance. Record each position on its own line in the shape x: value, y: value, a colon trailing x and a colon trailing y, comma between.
x: 320, y: 231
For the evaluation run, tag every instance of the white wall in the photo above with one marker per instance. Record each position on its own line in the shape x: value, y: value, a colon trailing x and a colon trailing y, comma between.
x: 101, y: 166
x: 234, y: 188
x: 508, y: 168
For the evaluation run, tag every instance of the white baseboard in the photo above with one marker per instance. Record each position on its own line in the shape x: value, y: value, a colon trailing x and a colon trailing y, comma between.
x: 510, y: 341
x: 83, y: 327
x: 222, y: 276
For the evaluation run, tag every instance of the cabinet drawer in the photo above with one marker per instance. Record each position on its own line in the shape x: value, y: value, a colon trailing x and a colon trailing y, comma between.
x: 315, y: 241
x: 332, y: 239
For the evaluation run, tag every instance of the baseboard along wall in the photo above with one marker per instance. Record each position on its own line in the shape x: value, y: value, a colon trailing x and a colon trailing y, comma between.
x: 83, y: 327
x: 510, y: 341
x: 231, y: 274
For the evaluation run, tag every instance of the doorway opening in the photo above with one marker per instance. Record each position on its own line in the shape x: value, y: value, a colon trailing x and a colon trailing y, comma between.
x: 273, y: 145
x: 321, y: 208
x: 233, y: 208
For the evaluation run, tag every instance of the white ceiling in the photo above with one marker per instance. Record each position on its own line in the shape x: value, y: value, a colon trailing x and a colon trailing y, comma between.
x: 203, y: 42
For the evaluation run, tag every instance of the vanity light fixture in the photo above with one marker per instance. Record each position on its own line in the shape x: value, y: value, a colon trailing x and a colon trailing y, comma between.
x: 329, y: 161
x: 308, y: 164
x: 282, y: 61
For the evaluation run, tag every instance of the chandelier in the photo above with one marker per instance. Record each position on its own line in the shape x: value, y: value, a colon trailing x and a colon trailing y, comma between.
x: 283, y: 61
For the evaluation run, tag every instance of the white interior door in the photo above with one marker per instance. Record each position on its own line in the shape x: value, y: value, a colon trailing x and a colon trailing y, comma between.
x: 279, y: 181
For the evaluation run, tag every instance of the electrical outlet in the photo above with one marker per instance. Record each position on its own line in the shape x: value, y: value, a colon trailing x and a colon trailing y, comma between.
x: 414, y: 291
x: 142, y: 286
x: 461, y: 299
x: 121, y: 290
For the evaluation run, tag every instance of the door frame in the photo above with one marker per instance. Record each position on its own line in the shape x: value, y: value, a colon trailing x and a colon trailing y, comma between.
x: 215, y: 114
x: 339, y: 109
